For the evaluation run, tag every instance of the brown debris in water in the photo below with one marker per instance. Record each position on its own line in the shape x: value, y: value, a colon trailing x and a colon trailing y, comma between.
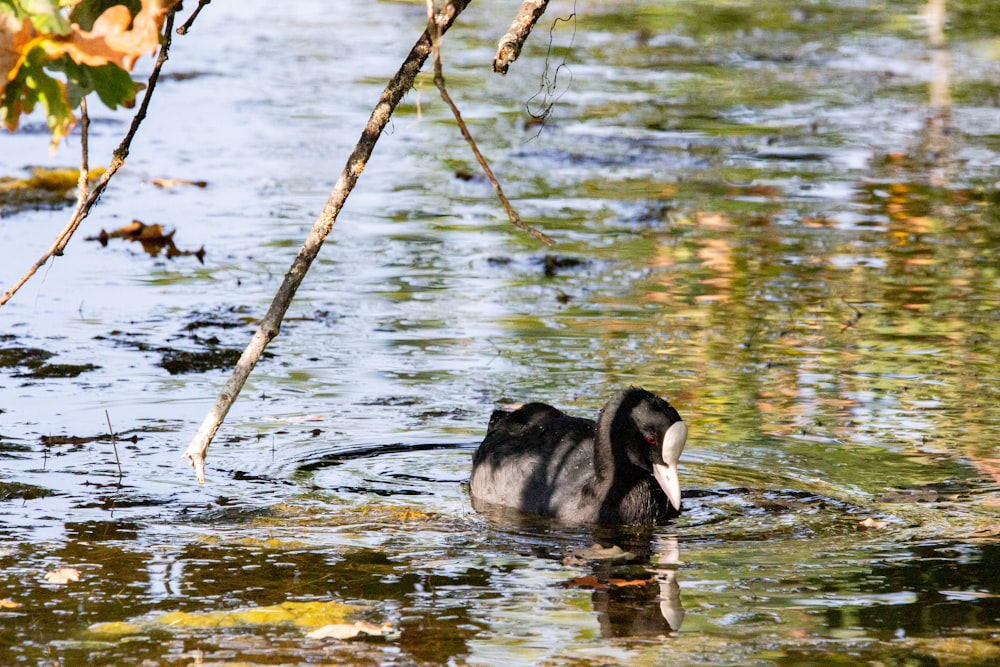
x: 152, y: 237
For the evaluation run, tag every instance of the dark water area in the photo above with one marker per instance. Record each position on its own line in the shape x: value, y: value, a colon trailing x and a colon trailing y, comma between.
x: 784, y: 217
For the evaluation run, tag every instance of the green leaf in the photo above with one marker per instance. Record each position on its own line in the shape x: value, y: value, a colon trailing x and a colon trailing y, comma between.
x: 44, y: 15
x: 111, y: 83
x: 114, y: 86
x: 31, y: 86
x: 52, y: 94
x: 13, y: 102
x: 87, y: 11
x: 12, y: 7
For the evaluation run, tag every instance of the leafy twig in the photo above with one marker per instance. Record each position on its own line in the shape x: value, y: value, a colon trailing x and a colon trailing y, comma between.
x: 117, y: 160
x: 270, y: 324
x: 439, y: 82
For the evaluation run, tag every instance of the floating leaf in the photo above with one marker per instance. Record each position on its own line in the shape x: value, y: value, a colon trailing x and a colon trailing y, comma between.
x: 350, y: 630
x: 174, y: 182
x: 62, y: 575
x: 152, y: 238
x: 597, y: 552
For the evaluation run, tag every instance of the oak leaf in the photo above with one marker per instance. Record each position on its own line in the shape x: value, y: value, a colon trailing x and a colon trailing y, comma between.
x: 111, y: 40
x: 15, y: 34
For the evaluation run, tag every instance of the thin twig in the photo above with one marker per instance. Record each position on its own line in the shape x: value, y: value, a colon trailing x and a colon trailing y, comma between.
x: 548, y: 87
x: 515, y: 219
x: 183, y: 30
x: 117, y: 160
x: 854, y: 320
x: 83, y: 182
x: 270, y: 324
x: 510, y: 44
x: 114, y: 445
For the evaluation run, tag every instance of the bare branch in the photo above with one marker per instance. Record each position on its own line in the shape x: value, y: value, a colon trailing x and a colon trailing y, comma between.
x: 117, y: 160
x: 114, y: 445
x: 510, y: 44
x: 271, y: 322
x: 515, y: 219
x: 83, y: 182
x: 183, y: 30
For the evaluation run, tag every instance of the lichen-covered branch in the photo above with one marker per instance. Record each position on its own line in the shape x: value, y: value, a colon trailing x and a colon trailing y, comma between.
x: 510, y: 44
x: 271, y: 323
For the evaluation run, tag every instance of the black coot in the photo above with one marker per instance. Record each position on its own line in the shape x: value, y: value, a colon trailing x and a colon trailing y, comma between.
x: 621, y: 469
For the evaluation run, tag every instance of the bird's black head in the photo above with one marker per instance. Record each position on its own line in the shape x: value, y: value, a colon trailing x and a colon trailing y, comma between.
x: 648, y: 432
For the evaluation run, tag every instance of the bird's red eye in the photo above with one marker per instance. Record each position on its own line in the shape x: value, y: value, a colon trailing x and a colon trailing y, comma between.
x: 650, y: 439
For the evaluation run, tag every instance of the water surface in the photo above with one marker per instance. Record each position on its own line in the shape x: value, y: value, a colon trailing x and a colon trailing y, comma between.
x: 784, y: 218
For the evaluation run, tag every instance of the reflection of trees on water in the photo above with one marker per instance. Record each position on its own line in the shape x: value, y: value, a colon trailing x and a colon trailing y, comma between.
x: 863, y: 320
x: 939, y: 113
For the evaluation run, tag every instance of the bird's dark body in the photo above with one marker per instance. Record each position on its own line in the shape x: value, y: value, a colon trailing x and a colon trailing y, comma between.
x: 543, y: 461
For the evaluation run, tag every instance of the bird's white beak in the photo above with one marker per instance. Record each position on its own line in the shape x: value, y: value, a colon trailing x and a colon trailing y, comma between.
x: 666, y: 472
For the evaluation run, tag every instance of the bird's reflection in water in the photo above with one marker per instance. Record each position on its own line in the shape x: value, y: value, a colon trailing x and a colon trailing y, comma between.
x: 635, y: 587
x: 631, y: 571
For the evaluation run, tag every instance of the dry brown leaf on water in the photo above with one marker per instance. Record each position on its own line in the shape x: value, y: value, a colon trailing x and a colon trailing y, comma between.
x: 135, y: 231
x: 350, y: 630
x: 872, y: 523
x: 152, y: 238
x: 62, y: 575
x: 591, y: 581
x: 597, y: 552
x: 174, y: 182
x: 293, y: 420
x: 7, y: 603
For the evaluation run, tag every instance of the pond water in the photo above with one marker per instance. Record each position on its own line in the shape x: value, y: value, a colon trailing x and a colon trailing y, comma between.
x: 783, y: 216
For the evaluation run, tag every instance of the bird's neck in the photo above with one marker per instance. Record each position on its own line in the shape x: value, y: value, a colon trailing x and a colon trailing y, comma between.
x: 607, y: 460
